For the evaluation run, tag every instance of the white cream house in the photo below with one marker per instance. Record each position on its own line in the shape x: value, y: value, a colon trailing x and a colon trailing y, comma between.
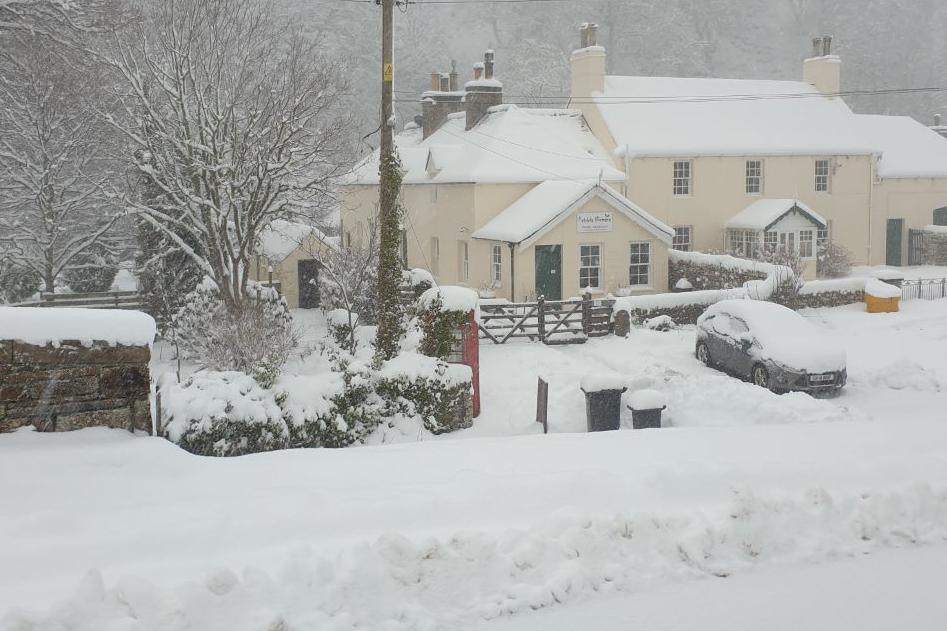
x: 521, y: 202
x: 697, y: 153
x: 513, y: 201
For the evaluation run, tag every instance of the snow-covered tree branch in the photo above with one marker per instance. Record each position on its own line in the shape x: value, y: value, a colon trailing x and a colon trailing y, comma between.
x: 57, y: 158
x: 235, y: 121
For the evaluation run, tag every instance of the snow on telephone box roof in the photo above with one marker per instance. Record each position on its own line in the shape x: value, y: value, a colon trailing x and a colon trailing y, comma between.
x: 764, y: 213
x: 42, y: 325
x: 670, y: 116
x: 510, y: 144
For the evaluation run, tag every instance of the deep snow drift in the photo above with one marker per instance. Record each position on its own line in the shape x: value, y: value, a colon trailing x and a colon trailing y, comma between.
x: 442, y: 534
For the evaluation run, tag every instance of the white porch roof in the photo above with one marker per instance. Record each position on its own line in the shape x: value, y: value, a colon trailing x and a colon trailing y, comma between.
x: 763, y: 214
x: 550, y: 202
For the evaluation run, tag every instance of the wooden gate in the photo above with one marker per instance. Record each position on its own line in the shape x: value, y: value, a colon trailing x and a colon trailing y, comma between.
x: 917, y: 247
x: 546, y: 321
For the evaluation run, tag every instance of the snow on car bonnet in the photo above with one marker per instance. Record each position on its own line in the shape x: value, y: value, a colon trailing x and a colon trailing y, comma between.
x: 784, y: 336
x: 41, y: 326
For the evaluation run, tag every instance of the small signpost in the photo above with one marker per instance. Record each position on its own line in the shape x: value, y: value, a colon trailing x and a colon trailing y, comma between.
x: 542, y: 404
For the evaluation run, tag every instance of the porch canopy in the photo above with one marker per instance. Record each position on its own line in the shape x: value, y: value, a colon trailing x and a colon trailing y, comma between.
x: 771, y: 223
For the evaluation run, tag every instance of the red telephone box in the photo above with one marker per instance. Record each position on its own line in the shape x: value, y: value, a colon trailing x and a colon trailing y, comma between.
x: 467, y: 351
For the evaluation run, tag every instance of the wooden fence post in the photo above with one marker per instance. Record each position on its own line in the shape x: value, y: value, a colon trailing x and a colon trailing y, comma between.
x: 541, y: 318
x: 542, y: 404
x: 586, y: 312
x: 157, y: 424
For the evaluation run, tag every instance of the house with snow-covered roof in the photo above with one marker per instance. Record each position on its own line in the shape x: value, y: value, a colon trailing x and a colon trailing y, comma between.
x: 513, y: 201
x: 287, y: 257
x: 698, y: 153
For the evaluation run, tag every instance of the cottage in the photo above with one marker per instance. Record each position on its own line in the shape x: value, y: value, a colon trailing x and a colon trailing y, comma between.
x: 696, y: 152
x: 287, y: 258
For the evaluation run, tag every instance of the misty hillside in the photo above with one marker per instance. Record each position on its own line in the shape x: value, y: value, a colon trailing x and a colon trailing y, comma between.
x: 883, y: 44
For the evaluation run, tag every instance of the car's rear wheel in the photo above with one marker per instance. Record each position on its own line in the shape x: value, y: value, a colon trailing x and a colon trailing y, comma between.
x: 703, y: 354
x: 761, y: 376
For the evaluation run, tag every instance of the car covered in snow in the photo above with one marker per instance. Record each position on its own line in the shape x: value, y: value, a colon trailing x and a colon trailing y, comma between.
x: 771, y: 345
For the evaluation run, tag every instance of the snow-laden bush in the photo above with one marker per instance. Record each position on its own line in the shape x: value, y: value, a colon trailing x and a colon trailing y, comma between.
x: 93, y: 270
x: 17, y: 283
x: 342, y: 325
x: 834, y: 260
x: 222, y: 414
x: 335, y: 409
x: 429, y: 388
x: 256, y: 340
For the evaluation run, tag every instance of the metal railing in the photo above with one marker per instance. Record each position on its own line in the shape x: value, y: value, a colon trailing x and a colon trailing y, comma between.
x: 924, y: 289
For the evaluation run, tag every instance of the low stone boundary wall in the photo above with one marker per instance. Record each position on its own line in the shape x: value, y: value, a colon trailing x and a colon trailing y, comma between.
x: 71, y: 386
x: 714, y: 271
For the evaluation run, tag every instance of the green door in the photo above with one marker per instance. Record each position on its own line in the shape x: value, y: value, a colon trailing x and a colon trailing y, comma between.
x: 940, y: 216
x: 893, y: 242
x: 549, y: 271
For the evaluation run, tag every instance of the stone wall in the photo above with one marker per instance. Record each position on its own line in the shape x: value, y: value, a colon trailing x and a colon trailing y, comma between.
x: 71, y: 386
x: 934, y: 250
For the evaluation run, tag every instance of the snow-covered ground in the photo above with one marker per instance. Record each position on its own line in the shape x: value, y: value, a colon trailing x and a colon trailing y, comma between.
x: 509, y: 529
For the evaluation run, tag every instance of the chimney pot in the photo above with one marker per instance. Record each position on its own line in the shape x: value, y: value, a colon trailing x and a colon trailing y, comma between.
x: 816, y: 46
x: 445, y: 83
x: 593, y: 34
x: 435, y: 81
x: 826, y: 45
x: 488, y: 64
x: 478, y: 70
x: 584, y: 35
x: 937, y: 120
x: 454, y: 77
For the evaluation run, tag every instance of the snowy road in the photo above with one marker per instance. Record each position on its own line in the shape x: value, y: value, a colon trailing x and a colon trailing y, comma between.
x: 445, y: 533
x: 888, y: 590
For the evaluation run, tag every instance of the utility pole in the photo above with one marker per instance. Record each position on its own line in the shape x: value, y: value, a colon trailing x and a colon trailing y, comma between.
x: 389, y: 220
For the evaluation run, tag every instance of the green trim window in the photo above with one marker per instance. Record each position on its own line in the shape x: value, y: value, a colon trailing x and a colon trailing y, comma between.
x: 806, y: 249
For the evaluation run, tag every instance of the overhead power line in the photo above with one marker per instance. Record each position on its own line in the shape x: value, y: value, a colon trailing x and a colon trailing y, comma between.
x: 709, y: 98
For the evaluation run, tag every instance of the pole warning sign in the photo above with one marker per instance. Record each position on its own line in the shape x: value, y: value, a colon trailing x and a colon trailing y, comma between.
x: 389, y: 72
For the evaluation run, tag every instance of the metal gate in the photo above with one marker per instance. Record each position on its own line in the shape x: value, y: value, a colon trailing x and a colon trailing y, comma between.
x: 917, y: 246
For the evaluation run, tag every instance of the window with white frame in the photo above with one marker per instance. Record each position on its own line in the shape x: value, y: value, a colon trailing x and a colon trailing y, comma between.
x: 739, y: 242
x: 682, y: 238
x: 435, y: 248
x: 754, y: 177
x: 464, y: 252
x: 770, y: 240
x: 682, y: 177
x: 496, y: 265
x: 590, y: 266
x: 639, y: 264
x: 806, y: 249
x: 822, y: 171
x: 824, y: 235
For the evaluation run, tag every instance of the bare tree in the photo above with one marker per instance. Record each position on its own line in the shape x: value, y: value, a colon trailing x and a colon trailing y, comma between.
x: 348, y: 277
x: 57, y: 157
x: 237, y: 124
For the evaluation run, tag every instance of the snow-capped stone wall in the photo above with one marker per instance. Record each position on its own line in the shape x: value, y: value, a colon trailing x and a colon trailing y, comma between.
x: 71, y: 385
x: 934, y: 250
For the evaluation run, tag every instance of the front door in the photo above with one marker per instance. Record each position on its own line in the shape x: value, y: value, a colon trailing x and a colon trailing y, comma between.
x: 893, y: 243
x: 549, y: 271
x: 308, y: 272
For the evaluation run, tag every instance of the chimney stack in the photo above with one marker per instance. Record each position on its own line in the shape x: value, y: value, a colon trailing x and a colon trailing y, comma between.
x: 482, y: 94
x: 441, y: 100
x: 823, y: 70
x: 588, y: 63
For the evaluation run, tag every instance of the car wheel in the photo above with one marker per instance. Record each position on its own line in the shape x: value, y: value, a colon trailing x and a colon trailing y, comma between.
x: 703, y: 354
x: 761, y: 376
